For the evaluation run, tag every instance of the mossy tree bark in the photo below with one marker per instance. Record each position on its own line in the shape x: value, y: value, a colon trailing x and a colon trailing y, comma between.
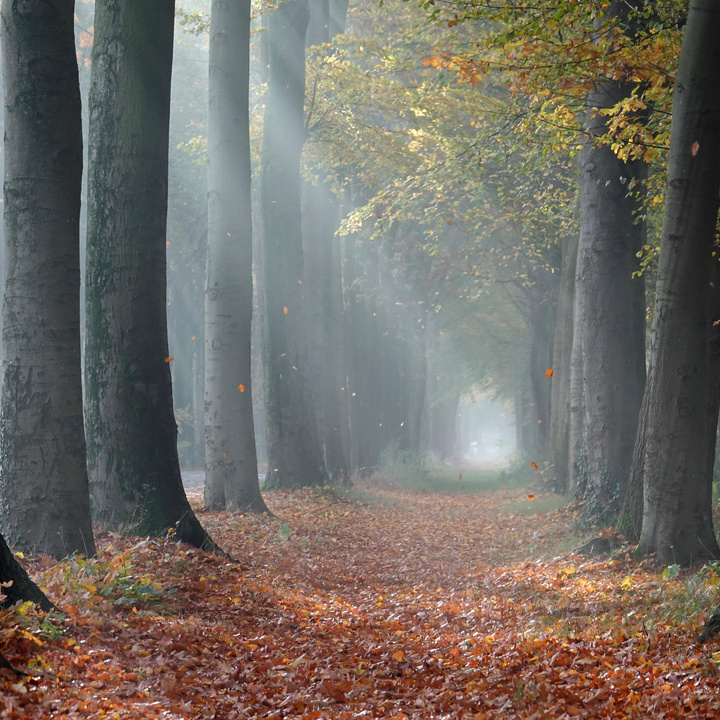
x: 231, y: 472
x: 130, y: 424
x: 677, y: 517
x: 43, y: 479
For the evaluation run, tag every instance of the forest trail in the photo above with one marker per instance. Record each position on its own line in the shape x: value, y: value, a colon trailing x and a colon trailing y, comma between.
x: 382, y: 604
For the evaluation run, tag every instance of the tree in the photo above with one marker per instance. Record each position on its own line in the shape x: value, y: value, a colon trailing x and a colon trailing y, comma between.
x: 677, y: 517
x: 43, y: 482
x: 132, y: 436
x: 613, y: 307
x: 323, y: 277
x: 293, y: 451
x: 560, y: 404
x: 231, y: 472
x: 16, y: 584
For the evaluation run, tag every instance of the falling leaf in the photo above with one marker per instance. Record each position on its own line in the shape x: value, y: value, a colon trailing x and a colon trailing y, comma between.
x: 168, y: 359
x: 167, y: 243
x: 549, y: 373
x: 285, y: 310
x: 460, y: 476
x: 241, y: 388
x: 398, y: 655
x: 530, y: 497
x: 299, y: 282
x: 193, y: 337
x: 534, y: 464
x: 695, y: 147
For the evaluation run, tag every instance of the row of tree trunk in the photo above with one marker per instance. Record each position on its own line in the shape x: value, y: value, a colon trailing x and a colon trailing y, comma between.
x: 127, y: 429
x: 647, y: 448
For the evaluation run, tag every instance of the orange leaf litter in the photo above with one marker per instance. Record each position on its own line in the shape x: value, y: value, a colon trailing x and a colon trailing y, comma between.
x: 407, y: 605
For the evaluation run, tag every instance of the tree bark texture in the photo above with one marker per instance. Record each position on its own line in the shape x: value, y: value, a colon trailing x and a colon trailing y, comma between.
x: 129, y: 419
x: 231, y: 472
x: 613, y: 312
x: 294, y: 456
x: 43, y: 477
x: 677, y: 517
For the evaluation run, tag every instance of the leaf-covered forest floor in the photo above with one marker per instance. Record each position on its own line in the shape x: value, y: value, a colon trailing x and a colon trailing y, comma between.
x: 399, y: 605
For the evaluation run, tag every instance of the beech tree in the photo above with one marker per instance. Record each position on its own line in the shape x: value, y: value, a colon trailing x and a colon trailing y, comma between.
x: 231, y: 472
x: 131, y: 430
x: 293, y: 450
x: 43, y: 479
x: 682, y: 417
x: 613, y: 308
x: 323, y: 277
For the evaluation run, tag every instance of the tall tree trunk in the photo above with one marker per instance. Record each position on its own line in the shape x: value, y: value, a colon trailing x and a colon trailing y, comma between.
x: 613, y: 349
x: 576, y: 431
x: 629, y: 522
x: 677, y: 517
x: 338, y: 16
x: 416, y: 368
x: 542, y: 322
x: 294, y: 457
x: 231, y: 472
x: 562, y: 354
x: 323, y: 296
x: 335, y: 396
x: 129, y: 420
x: 43, y: 477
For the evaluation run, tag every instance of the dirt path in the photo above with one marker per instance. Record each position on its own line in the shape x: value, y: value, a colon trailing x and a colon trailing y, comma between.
x: 406, y: 605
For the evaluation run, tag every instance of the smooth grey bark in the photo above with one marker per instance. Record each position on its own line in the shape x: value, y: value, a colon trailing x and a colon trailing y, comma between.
x: 629, y: 522
x: 231, y: 471
x: 294, y: 456
x: 335, y: 396
x: 325, y: 329
x: 542, y: 323
x: 562, y: 354
x: 576, y: 430
x: 677, y: 516
x: 417, y: 383
x: 43, y: 479
x: 612, y: 309
x: 129, y: 420
x: 338, y: 16
x: 323, y: 295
